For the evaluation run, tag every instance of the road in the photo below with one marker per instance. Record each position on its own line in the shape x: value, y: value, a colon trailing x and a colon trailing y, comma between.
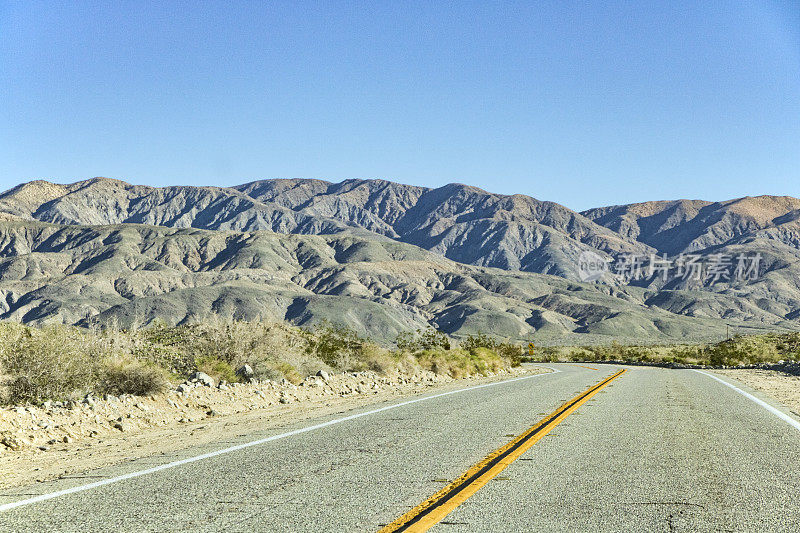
x: 654, y: 450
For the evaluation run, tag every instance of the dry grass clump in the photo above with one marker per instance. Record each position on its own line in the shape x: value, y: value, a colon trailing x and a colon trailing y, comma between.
x: 52, y: 362
x: 123, y: 375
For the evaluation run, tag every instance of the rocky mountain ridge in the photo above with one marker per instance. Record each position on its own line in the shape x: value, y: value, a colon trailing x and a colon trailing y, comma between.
x: 394, y: 256
x: 459, y: 222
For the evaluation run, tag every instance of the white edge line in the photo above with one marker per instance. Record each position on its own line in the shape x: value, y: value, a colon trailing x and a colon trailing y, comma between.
x: 777, y: 412
x: 49, y: 496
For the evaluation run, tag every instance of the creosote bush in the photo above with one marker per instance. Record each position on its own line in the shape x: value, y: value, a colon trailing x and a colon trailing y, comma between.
x: 459, y: 363
x: 509, y: 351
x: 427, y: 339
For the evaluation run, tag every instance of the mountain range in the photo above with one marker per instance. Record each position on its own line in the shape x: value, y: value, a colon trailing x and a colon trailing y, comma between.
x: 384, y: 257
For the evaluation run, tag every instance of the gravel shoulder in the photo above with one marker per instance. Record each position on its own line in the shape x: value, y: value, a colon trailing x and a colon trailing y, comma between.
x: 57, y: 440
x: 785, y: 388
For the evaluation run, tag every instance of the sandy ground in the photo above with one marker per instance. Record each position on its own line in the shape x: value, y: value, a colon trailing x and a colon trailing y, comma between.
x: 783, y: 387
x: 51, y: 442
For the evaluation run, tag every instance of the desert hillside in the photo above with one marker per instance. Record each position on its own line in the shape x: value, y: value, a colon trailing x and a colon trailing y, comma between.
x: 385, y: 258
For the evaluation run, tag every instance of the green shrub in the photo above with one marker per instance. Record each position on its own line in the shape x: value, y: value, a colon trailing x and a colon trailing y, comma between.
x: 337, y: 346
x: 428, y: 339
x: 406, y: 341
x: 286, y: 370
x: 480, y: 340
x: 216, y: 368
x: 459, y: 363
x: 513, y: 353
x: 432, y: 339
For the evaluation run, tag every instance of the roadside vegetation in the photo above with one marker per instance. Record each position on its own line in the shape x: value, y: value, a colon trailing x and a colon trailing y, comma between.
x: 739, y: 350
x: 63, y: 363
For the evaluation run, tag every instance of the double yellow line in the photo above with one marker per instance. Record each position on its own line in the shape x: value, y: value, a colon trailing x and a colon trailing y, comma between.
x: 434, y: 509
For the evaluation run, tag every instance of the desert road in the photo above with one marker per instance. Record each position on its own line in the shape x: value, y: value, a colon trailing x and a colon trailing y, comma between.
x: 646, y: 449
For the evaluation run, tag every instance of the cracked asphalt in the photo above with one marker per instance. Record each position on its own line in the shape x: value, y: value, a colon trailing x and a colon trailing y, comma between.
x: 656, y: 450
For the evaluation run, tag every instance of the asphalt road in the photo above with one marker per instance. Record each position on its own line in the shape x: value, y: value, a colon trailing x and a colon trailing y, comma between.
x: 656, y: 450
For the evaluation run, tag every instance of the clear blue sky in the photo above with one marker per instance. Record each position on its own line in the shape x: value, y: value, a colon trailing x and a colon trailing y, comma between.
x: 583, y: 103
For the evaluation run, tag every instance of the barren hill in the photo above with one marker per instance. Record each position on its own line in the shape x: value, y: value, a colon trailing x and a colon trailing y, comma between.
x: 133, y: 274
x: 384, y: 257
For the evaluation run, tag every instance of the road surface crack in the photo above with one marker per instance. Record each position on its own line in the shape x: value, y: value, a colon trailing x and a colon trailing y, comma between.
x: 685, y: 504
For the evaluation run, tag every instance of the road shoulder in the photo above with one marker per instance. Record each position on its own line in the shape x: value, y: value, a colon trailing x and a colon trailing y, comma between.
x: 782, y: 388
x: 32, y: 464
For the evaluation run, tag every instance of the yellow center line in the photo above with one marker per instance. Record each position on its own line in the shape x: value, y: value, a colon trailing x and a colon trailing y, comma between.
x: 434, y: 509
x: 590, y: 368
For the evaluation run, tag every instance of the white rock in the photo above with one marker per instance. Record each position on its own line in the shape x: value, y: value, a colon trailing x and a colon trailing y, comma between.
x: 203, y: 378
x: 245, y: 371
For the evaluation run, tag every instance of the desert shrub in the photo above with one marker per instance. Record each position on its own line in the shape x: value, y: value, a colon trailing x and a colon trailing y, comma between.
x: 218, y: 347
x: 49, y: 363
x: 787, y: 345
x: 378, y: 359
x: 407, y: 341
x: 263, y: 372
x: 617, y: 351
x: 479, y: 340
x: 513, y: 353
x: 744, y: 350
x: 165, y: 347
x: 225, y: 341
x: 432, y: 339
x: 737, y: 350
x: 337, y: 346
x: 216, y: 368
x: 459, y: 363
x: 427, y: 339
x: 179, y: 364
x: 61, y: 362
x: 483, y: 361
x: 440, y: 362
x: 131, y: 376
x: 283, y: 370
x: 548, y: 354
x: 719, y: 355
x: 160, y: 333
